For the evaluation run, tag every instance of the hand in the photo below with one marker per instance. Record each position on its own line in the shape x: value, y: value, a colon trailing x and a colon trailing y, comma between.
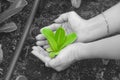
x: 72, y: 22
x: 66, y: 57
x: 86, y: 30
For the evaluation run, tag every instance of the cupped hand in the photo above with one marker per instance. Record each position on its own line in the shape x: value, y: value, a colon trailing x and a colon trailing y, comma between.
x: 66, y: 57
x: 71, y: 22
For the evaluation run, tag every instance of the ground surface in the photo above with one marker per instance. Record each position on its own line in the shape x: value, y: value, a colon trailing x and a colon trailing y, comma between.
x: 33, y: 68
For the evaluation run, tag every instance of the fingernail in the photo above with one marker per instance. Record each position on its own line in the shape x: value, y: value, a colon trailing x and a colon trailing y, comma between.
x: 46, y: 64
x: 56, y: 20
x: 32, y: 52
x: 33, y: 47
x: 37, y: 43
x: 37, y: 37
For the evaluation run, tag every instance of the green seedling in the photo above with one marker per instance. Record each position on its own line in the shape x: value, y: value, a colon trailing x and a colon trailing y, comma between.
x: 57, y: 40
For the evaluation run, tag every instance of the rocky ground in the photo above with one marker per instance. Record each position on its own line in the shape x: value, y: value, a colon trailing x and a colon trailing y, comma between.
x: 33, y: 68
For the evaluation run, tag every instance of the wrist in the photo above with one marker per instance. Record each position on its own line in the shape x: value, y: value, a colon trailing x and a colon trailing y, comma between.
x: 89, y: 51
x: 97, y: 27
x: 83, y: 51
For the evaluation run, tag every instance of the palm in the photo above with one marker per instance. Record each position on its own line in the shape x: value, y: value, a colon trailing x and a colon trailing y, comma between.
x: 78, y: 27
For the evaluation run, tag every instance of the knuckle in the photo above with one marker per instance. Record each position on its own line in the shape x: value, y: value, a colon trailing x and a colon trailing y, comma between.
x: 46, y: 42
x: 37, y: 42
x: 54, y: 25
x: 47, y: 65
x: 37, y: 37
x: 72, y: 12
x: 52, y: 65
x: 58, y: 69
x: 62, y: 15
x: 46, y: 46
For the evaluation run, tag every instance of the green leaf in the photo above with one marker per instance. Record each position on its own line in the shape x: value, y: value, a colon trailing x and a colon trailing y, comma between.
x: 57, y: 40
x: 70, y: 38
x: 50, y: 37
x: 52, y: 54
x: 47, y: 31
x: 60, y: 36
x: 49, y: 50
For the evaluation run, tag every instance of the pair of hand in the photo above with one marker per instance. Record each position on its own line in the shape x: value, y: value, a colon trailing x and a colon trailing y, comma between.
x: 76, y: 51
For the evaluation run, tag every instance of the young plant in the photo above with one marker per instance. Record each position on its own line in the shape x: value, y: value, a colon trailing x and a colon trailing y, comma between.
x: 57, y: 40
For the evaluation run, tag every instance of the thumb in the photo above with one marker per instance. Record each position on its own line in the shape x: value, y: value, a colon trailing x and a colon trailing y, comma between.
x: 69, y: 16
x: 62, y: 18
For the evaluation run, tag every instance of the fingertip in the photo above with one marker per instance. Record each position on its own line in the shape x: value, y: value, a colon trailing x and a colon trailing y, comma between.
x: 43, y: 29
x: 57, y: 21
x: 53, y: 63
x: 38, y: 43
x: 58, y: 69
x: 38, y: 55
x: 47, y: 63
x: 62, y: 18
x: 34, y: 47
x: 42, y: 51
x: 40, y: 37
x: 37, y: 37
x: 42, y: 43
x: 33, y: 52
x: 46, y: 46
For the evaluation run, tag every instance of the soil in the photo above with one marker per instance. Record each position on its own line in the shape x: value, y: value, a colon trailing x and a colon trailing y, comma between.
x: 32, y: 67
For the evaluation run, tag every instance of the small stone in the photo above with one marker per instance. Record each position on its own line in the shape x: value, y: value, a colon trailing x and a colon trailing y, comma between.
x: 76, y: 3
x: 1, y: 53
x: 21, y: 77
x: 105, y: 61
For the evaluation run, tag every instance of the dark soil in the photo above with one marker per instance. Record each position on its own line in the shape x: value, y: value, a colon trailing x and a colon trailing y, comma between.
x: 32, y: 67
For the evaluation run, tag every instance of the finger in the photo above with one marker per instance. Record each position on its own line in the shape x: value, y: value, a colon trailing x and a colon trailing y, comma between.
x: 42, y: 43
x: 67, y: 27
x: 54, y: 63
x: 46, y: 46
x: 53, y: 26
x: 62, y: 18
x: 61, y: 68
x: 42, y: 51
x: 40, y: 37
x: 40, y: 56
x: 43, y: 58
x: 35, y: 48
x: 58, y: 69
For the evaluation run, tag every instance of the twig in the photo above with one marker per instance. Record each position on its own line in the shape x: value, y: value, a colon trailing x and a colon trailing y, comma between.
x: 20, y: 46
